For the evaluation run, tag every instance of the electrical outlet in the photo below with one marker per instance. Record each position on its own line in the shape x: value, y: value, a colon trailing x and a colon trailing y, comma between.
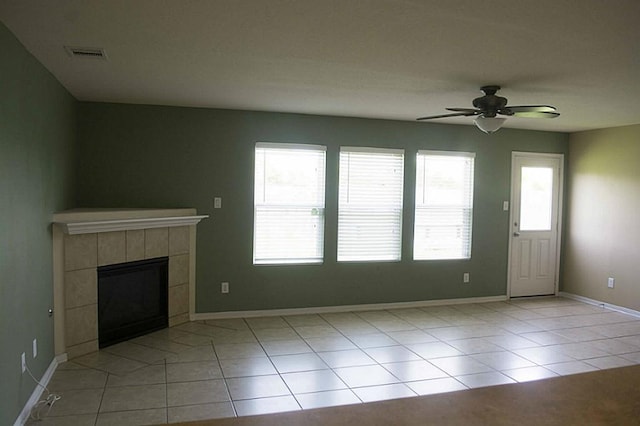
x: 611, y: 282
x: 24, y: 362
x: 224, y: 288
x: 35, y: 348
x: 465, y: 277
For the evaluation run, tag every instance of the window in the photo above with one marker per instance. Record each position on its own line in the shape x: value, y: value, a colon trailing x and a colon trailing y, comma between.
x: 444, y: 205
x: 289, y: 204
x: 370, y: 204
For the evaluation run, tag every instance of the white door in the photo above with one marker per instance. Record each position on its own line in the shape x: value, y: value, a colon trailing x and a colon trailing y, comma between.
x: 536, y: 200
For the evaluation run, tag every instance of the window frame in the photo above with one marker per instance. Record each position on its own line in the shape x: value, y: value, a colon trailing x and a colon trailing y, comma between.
x: 318, y: 208
x: 466, y: 209
x: 342, y: 253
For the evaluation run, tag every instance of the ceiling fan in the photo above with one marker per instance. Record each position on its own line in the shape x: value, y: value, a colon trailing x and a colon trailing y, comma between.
x: 489, y: 106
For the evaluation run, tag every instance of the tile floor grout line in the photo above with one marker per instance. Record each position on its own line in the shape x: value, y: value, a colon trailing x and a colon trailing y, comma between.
x: 166, y: 392
x: 104, y: 391
x: 224, y: 379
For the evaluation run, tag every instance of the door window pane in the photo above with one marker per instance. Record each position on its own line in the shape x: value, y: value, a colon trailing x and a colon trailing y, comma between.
x: 536, y: 198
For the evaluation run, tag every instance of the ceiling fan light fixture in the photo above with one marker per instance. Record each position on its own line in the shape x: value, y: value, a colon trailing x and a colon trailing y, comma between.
x: 489, y: 124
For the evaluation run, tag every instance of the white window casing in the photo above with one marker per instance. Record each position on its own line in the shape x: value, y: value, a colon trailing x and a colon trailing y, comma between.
x: 443, y: 205
x: 370, y: 204
x: 289, y: 202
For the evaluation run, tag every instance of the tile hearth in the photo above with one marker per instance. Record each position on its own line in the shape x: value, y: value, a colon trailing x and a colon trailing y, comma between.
x: 238, y: 367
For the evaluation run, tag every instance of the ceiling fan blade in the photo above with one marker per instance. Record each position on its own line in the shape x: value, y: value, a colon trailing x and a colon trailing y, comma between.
x: 473, y: 110
x: 536, y: 114
x: 456, y: 114
x: 531, y: 108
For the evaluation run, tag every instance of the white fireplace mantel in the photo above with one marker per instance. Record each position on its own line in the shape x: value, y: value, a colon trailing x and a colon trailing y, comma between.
x: 85, y: 227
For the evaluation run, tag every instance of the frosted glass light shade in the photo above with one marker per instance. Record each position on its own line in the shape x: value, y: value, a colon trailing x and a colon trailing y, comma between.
x: 489, y: 124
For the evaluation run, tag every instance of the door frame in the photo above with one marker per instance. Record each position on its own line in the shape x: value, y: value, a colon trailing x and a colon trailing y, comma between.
x: 560, y: 157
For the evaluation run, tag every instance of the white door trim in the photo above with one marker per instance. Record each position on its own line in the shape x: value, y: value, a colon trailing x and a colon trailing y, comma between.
x: 514, y: 155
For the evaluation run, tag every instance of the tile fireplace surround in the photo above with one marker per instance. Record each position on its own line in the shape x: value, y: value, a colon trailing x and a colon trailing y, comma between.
x: 83, y: 240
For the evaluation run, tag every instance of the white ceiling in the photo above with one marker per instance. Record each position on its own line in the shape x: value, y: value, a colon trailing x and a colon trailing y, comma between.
x: 395, y: 59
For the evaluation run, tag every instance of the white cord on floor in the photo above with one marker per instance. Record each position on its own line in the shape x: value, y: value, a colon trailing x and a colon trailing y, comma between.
x: 36, y: 411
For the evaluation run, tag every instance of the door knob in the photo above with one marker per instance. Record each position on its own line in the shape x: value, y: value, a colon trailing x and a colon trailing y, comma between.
x: 516, y: 234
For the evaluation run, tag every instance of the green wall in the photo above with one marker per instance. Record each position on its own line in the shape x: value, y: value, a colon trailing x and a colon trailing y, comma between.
x: 148, y: 156
x: 37, y: 138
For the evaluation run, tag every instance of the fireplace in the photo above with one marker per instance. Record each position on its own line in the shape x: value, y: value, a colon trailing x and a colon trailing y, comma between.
x: 87, y: 240
x: 132, y: 299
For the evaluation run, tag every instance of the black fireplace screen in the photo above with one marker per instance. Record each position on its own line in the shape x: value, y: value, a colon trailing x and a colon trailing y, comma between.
x: 132, y: 299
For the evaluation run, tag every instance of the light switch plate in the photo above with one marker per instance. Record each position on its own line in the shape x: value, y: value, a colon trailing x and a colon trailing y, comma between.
x: 217, y: 203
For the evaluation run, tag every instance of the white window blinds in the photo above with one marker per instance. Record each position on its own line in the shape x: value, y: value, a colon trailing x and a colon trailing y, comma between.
x: 289, y: 203
x: 370, y: 204
x: 444, y: 205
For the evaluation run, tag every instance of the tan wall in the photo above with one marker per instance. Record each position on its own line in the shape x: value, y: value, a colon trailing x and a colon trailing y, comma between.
x: 603, y: 229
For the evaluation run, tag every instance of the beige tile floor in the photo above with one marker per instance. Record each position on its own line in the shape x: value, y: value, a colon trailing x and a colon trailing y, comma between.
x: 239, y: 367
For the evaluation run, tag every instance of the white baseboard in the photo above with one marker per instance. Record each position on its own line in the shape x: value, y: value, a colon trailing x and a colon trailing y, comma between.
x: 590, y: 301
x: 37, y: 391
x: 342, y: 308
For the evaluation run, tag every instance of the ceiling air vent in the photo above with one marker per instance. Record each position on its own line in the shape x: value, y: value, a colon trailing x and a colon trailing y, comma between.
x: 86, y: 52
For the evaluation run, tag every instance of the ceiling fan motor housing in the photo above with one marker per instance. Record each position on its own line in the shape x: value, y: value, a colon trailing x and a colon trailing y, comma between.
x: 490, y: 104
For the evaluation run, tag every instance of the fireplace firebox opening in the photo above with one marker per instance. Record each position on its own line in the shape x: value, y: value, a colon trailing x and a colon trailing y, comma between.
x: 132, y: 299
